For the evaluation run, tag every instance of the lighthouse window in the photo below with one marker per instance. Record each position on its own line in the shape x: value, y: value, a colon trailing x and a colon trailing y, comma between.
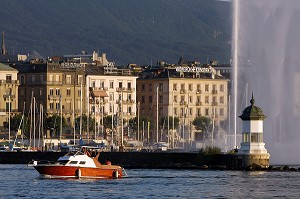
x: 256, y: 137
x: 245, y: 137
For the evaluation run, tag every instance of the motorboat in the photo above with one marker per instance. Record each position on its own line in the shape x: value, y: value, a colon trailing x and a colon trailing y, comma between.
x: 78, y: 164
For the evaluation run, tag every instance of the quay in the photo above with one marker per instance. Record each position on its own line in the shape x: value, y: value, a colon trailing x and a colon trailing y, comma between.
x: 140, y: 160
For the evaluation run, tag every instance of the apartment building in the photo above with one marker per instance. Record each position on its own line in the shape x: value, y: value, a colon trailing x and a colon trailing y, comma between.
x: 9, y: 85
x: 183, y: 92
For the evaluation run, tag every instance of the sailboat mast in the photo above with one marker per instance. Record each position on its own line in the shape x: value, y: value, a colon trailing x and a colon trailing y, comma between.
x: 157, y: 114
x: 34, y: 123
x: 80, y: 125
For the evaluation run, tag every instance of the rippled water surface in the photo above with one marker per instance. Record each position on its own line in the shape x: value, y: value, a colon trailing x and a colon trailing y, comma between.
x: 19, y: 181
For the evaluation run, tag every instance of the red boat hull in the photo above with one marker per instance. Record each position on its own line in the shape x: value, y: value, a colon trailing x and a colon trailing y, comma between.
x: 105, y: 171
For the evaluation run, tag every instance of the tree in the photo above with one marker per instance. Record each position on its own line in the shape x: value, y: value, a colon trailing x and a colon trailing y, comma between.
x: 52, y: 123
x: 202, y: 123
x: 15, y: 122
x: 164, y: 122
x: 84, y: 123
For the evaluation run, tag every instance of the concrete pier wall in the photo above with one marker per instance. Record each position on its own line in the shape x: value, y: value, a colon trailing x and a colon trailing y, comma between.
x: 151, y: 160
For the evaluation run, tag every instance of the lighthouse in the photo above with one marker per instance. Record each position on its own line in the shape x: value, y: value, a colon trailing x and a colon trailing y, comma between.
x: 252, y: 150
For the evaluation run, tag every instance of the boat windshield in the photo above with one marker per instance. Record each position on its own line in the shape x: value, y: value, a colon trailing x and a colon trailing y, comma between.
x: 63, y: 162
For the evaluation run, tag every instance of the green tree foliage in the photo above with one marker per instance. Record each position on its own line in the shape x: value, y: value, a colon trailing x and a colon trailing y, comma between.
x: 15, y: 122
x: 164, y: 122
x: 133, y: 123
x: 202, y: 123
x: 84, y: 123
x: 210, y: 150
x: 52, y: 123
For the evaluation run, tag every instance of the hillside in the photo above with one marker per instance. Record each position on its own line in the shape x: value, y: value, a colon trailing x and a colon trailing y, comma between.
x: 129, y: 31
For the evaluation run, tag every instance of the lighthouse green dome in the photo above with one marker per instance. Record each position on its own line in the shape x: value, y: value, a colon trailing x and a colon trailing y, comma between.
x: 253, y: 112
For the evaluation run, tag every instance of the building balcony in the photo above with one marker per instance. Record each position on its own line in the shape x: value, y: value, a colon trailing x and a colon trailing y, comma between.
x: 182, y: 91
x: 9, y: 82
x: 183, y: 103
x: 54, y: 82
x: 6, y: 96
x: 11, y: 110
x: 100, y: 89
x: 214, y: 103
x: 198, y: 103
x: 214, y: 92
x: 198, y: 91
x: 125, y: 89
x: 53, y: 97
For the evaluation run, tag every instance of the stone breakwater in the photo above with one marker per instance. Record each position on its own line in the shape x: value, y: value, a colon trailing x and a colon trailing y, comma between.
x: 151, y: 160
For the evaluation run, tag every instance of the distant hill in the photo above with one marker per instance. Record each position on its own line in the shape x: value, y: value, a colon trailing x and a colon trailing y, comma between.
x: 129, y: 31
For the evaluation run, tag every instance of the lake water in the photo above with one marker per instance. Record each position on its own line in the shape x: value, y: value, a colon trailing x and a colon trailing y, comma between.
x: 20, y: 181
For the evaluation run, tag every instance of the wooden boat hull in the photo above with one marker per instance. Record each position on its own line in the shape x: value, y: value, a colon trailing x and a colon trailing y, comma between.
x: 59, y: 171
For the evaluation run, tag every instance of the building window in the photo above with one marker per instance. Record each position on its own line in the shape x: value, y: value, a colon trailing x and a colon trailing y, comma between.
x: 191, y: 111
x: 198, y: 87
x: 143, y: 87
x: 191, y: 99
x: 102, y: 84
x: 198, y: 112
x: 129, y: 110
x: 221, y: 112
x: 190, y: 87
x: 161, y: 88
x: 129, y: 85
x: 174, y: 87
x: 111, y: 96
x: 129, y: 97
x: 206, y: 112
x: 57, y: 105
x: 32, y: 78
x: 57, y: 78
x: 175, y: 111
x: 57, y: 91
x: 51, y: 91
x: 161, y: 99
x: 222, y: 100
x: 206, y: 99
x: 222, y: 88
x: 206, y: 87
x: 182, y: 87
x: 150, y: 87
x: 150, y: 99
x: 51, y: 105
x: 22, y: 79
x: 111, y: 84
x: 175, y: 98
x: 68, y: 92
x: 93, y: 84
x: 120, y: 85
x: 198, y: 99
x: 110, y: 108
x: 79, y: 92
x: 79, y: 79
x: 50, y: 78
x: 143, y: 99
x: 68, y: 79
